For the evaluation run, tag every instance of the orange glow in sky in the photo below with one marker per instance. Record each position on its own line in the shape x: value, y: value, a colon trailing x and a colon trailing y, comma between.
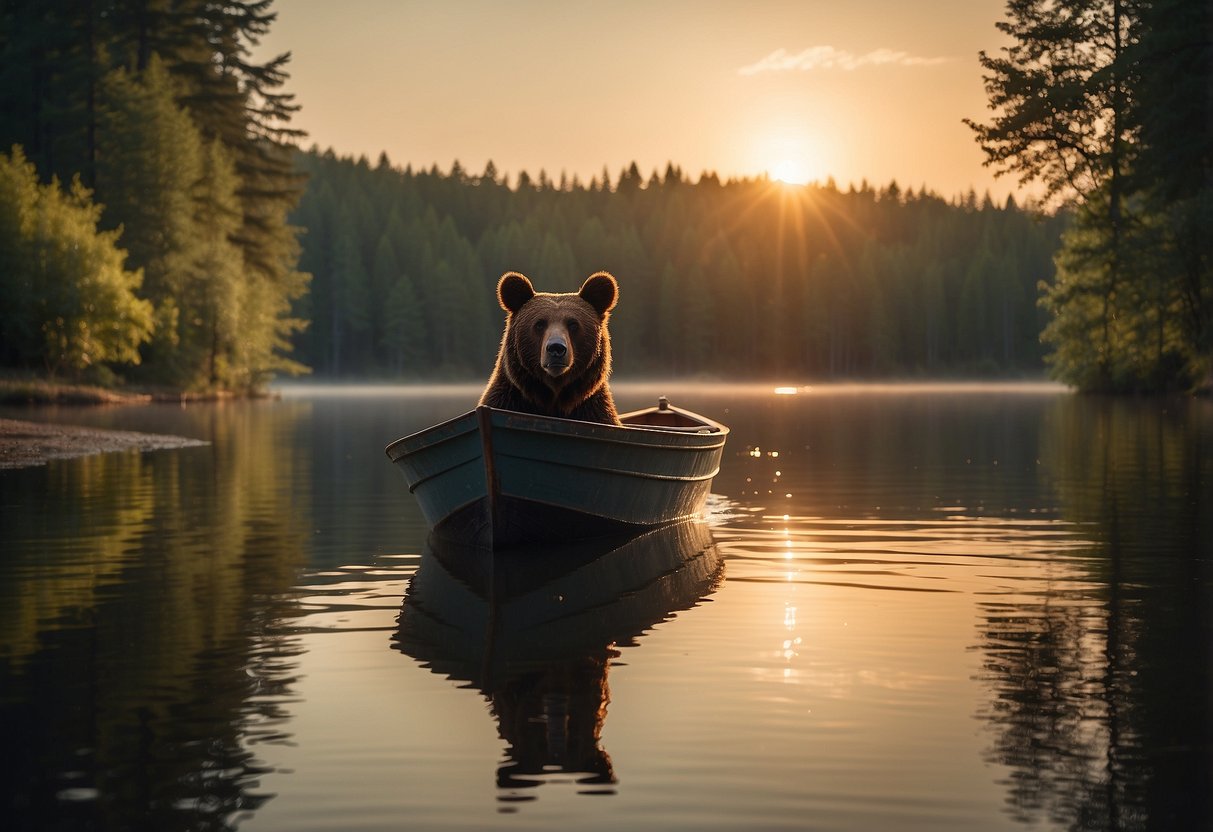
x: 798, y: 91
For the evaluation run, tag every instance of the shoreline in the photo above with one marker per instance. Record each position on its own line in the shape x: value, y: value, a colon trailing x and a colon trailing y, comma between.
x: 34, y: 391
x: 31, y: 444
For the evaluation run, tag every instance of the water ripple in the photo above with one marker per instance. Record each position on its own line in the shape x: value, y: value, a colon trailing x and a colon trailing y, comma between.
x: 976, y: 554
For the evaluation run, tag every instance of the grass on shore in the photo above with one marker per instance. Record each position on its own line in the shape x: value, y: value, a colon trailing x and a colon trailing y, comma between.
x: 40, y: 391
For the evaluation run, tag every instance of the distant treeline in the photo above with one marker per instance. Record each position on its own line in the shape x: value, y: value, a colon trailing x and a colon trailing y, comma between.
x: 737, y: 278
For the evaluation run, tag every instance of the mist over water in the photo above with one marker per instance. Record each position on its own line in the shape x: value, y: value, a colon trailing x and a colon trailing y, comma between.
x: 915, y: 607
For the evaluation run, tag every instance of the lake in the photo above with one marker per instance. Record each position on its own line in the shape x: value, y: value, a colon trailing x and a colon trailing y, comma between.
x: 930, y: 607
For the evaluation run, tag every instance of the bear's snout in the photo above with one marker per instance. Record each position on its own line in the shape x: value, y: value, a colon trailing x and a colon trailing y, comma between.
x: 556, y: 353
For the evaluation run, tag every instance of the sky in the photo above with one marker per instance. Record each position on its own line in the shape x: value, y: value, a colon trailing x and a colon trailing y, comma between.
x: 805, y: 90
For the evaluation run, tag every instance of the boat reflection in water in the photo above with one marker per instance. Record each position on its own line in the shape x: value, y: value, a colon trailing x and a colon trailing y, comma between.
x: 535, y: 631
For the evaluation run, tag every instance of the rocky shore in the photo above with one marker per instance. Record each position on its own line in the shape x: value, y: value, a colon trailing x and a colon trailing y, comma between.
x: 24, y: 444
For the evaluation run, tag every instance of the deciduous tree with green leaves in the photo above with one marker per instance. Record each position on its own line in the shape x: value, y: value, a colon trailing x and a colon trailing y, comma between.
x: 66, y: 298
x: 160, y: 106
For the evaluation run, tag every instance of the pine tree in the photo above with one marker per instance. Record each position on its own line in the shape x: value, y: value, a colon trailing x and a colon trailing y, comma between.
x: 1174, y: 161
x: 240, y: 103
x: 214, y: 289
x: 347, y: 309
x: 150, y: 162
x: 1084, y: 106
x: 405, y: 337
x: 48, y: 77
x: 385, y: 274
x: 1107, y: 101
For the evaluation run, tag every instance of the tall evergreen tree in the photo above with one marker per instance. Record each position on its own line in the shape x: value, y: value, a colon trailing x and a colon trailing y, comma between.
x: 214, y: 287
x: 150, y: 162
x: 1173, y: 104
x: 406, y: 333
x: 49, y: 72
x: 1107, y: 102
x: 1060, y: 96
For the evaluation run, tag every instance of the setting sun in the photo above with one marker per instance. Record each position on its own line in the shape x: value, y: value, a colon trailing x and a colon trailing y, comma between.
x: 790, y: 172
x: 787, y: 153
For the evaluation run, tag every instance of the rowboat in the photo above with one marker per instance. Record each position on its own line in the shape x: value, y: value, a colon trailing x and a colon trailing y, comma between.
x: 498, y: 479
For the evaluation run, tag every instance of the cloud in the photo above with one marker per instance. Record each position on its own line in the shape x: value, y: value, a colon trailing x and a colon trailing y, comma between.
x: 827, y: 57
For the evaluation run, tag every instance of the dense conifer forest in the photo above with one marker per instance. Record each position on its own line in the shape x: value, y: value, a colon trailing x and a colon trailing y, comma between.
x: 745, y: 278
x: 160, y: 225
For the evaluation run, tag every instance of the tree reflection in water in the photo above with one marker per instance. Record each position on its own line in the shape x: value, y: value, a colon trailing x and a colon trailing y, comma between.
x: 1102, y: 682
x: 139, y: 660
x: 535, y: 632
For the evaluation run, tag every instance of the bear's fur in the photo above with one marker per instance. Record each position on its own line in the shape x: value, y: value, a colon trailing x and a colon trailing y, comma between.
x: 555, y: 354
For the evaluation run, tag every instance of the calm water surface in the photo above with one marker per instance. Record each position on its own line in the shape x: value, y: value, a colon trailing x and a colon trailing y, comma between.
x: 907, y: 608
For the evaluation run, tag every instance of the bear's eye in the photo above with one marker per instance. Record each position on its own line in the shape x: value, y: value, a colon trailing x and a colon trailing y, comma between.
x: 572, y: 325
x: 541, y: 325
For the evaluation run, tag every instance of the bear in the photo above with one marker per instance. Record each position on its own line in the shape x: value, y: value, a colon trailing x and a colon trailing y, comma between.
x: 555, y: 355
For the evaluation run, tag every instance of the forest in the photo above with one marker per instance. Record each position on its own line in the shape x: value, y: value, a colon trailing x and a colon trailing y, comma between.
x: 161, y: 225
x: 1109, y: 105
x: 741, y: 278
x: 145, y: 180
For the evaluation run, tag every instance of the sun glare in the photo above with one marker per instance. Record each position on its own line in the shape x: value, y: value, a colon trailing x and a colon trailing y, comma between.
x: 790, y: 172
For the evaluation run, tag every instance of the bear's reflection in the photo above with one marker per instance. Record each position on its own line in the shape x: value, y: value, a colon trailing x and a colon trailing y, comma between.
x: 552, y: 722
x: 535, y: 631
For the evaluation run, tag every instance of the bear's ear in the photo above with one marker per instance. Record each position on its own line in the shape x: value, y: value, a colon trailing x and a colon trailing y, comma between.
x: 601, y: 291
x: 513, y: 290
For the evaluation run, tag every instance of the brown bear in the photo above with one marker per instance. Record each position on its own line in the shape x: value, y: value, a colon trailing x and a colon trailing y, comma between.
x: 555, y: 354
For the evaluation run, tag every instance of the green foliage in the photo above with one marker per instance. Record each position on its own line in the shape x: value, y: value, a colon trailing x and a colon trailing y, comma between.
x: 1173, y: 104
x: 161, y: 107
x: 1107, y: 103
x: 1058, y: 96
x: 213, y: 290
x: 1116, y: 330
x: 745, y: 278
x: 149, y: 159
x: 65, y: 297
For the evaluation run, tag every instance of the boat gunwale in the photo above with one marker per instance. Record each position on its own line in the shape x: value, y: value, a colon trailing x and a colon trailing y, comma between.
x: 621, y: 472
x: 409, y: 444
x: 620, y: 440
x: 394, y: 454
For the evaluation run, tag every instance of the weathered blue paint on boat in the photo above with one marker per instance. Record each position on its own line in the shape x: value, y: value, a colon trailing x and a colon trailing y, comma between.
x: 497, y: 478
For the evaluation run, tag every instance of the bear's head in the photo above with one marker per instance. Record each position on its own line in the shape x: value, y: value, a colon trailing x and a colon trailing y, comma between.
x: 557, y: 341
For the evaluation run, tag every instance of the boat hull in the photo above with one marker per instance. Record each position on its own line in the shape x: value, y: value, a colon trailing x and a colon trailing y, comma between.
x: 497, y: 478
